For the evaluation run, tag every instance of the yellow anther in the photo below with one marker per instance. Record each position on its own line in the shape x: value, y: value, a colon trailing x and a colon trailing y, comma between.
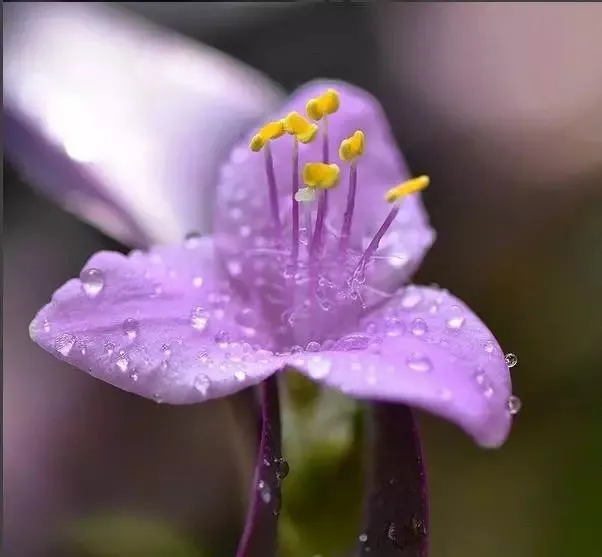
x: 320, y: 175
x: 326, y: 103
x: 303, y: 130
x: 406, y: 188
x: 352, y: 147
x: 271, y: 130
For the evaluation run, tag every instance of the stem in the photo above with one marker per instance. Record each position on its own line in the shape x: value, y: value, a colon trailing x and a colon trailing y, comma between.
x: 345, y: 231
x: 259, y: 537
x: 373, y: 246
x: 295, y: 215
x: 396, y: 516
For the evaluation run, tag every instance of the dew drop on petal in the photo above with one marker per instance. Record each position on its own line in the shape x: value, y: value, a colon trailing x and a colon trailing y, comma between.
x: 313, y: 346
x: 222, y: 338
x: 419, y: 362
x: 246, y: 317
x: 283, y: 467
x: 240, y: 375
x: 511, y: 359
x: 109, y: 348
x: 166, y: 349
x: 197, y: 282
x: 489, y: 347
x: 456, y: 319
x: 199, y: 318
x: 63, y: 344
x: 92, y: 281
x: 363, y: 538
x: 419, y: 327
x: 202, y: 383
x: 394, y: 326
x: 514, y: 405
x: 130, y: 328
x: 411, y: 298
x: 122, y: 363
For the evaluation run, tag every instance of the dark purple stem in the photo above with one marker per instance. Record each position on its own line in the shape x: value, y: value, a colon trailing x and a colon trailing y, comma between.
x: 273, y: 191
x: 260, y: 537
x: 396, y: 523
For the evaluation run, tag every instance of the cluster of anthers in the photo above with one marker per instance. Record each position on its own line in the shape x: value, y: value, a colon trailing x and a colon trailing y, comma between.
x: 333, y: 271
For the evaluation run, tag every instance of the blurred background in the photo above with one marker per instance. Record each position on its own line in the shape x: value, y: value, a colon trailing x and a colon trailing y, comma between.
x: 501, y: 104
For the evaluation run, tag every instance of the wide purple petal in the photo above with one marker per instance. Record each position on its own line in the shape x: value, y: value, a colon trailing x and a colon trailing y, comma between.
x: 425, y: 348
x: 254, y: 248
x: 162, y: 324
x: 120, y: 122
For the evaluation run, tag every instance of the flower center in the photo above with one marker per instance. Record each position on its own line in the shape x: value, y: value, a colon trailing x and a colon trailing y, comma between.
x: 323, y: 277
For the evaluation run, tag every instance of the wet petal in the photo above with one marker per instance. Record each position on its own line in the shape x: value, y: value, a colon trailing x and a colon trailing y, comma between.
x: 120, y: 122
x: 245, y: 224
x: 162, y: 324
x: 428, y: 350
x: 260, y: 535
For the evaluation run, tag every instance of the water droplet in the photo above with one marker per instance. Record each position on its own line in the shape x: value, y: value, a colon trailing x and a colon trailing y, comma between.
x: 410, y: 299
x: 199, y: 318
x: 514, y: 405
x: 166, y: 349
x: 246, y: 317
x: 511, y: 359
x: 109, y: 348
x: 394, y: 326
x: 371, y: 327
x: 240, y: 375
x: 319, y: 367
x: 355, y: 341
x: 192, y: 240
x: 363, y: 538
x: 392, y: 532
x: 313, y: 346
x: 283, y: 468
x: 456, y: 319
x: 419, y: 327
x: 264, y: 491
x: 197, y: 282
x: 63, y: 344
x: 222, y: 338
x: 122, y: 363
x: 46, y: 326
x: 130, y: 328
x: 202, y: 383
x: 234, y: 267
x: 92, y: 281
x: 489, y: 347
x: 419, y: 362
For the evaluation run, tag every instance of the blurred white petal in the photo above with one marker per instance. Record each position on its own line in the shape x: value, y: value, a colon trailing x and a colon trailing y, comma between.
x: 123, y: 123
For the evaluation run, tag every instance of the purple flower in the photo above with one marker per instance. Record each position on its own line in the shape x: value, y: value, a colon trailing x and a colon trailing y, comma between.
x: 287, y: 282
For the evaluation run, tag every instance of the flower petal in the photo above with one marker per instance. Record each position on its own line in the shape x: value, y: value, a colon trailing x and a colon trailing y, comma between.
x: 122, y: 123
x: 424, y: 349
x: 163, y: 325
x: 260, y: 535
x: 244, y: 222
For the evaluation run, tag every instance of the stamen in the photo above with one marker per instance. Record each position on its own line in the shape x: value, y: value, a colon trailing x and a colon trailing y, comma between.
x: 261, y: 140
x: 302, y: 131
x: 350, y: 150
x: 394, y: 195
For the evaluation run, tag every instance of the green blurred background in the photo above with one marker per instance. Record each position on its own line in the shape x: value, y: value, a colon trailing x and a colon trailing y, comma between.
x: 502, y: 106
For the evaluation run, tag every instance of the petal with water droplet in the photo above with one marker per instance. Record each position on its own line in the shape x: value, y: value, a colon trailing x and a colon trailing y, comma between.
x: 456, y: 372
x: 153, y: 332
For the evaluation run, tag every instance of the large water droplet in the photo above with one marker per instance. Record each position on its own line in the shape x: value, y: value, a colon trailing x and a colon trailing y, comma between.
x: 130, y: 328
x: 202, y: 384
x: 511, y: 359
x: 419, y: 362
x: 92, y: 281
x: 240, y: 375
x: 456, y: 319
x: 394, y: 326
x: 283, y: 468
x: 419, y: 327
x: 199, y: 318
x: 63, y: 344
x: 514, y: 405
